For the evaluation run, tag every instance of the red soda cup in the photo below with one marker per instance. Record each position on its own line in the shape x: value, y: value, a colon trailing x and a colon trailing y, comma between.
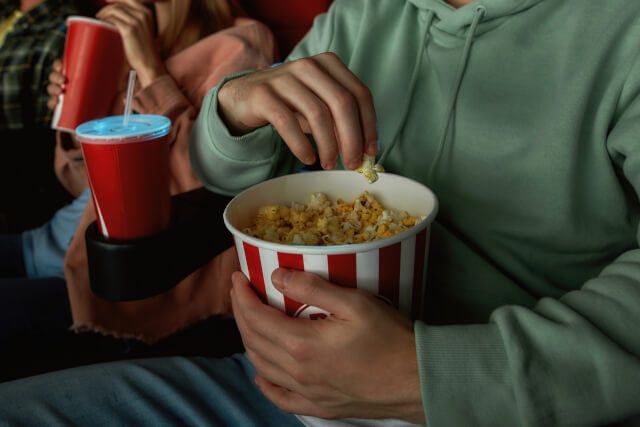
x: 93, y: 64
x: 128, y: 169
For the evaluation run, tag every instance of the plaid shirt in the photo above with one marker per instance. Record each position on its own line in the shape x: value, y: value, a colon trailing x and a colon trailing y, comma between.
x: 26, y: 59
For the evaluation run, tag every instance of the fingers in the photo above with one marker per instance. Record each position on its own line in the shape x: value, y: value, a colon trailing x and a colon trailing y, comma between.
x: 263, y: 334
x: 125, y: 13
x: 309, y: 288
x: 318, y: 115
x: 258, y: 318
x: 54, y: 90
x: 273, y: 372
x: 57, y: 78
x: 56, y: 84
x: 362, y: 95
x: 337, y: 106
x: 135, y: 23
x: 287, y: 400
x: 134, y: 7
x: 327, y: 81
x: 279, y: 114
x: 52, y: 103
x: 113, y: 18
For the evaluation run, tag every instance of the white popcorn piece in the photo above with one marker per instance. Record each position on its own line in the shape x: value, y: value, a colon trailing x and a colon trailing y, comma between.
x: 370, y: 168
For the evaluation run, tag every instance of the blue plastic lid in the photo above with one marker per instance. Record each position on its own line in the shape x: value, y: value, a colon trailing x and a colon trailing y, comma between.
x: 141, y: 127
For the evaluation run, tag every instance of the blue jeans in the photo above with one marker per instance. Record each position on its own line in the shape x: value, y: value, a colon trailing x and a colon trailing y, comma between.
x: 149, y: 392
x: 40, y: 252
x: 45, y: 247
x: 11, y: 259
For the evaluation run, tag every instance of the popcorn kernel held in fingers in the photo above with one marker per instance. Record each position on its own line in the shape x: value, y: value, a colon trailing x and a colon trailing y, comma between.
x: 369, y: 168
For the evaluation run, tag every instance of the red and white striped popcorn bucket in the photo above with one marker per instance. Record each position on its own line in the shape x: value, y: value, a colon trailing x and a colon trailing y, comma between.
x: 393, y: 268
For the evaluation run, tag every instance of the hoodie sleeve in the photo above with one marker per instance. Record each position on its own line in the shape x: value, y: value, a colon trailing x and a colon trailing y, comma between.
x: 573, y: 361
x: 228, y: 164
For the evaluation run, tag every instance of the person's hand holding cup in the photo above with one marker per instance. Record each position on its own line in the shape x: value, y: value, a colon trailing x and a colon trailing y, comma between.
x: 56, y: 84
x: 84, y: 85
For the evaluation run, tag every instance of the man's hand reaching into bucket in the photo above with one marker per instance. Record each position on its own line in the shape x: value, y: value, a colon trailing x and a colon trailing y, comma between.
x: 317, y: 95
x: 358, y: 362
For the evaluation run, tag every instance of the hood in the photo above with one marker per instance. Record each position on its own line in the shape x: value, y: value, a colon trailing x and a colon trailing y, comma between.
x: 465, y: 23
x: 456, y: 21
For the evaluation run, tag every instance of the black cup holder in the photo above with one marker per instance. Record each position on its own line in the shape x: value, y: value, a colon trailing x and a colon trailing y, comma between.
x: 137, y: 269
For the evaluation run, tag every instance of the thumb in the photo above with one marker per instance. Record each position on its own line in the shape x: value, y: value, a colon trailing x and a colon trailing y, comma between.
x: 309, y: 288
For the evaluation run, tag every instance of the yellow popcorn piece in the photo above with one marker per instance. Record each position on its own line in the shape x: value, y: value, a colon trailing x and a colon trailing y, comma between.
x: 370, y: 168
x: 322, y: 222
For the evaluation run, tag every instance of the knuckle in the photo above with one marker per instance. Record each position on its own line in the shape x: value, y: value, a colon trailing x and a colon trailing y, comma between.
x: 280, y: 120
x: 260, y: 91
x: 317, y: 112
x: 298, y: 349
x: 247, y: 334
x: 308, y: 285
x: 344, y: 100
x: 360, y: 300
x: 330, y: 55
x: 300, y: 376
x: 314, y: 282
x: 253, y: 356
x: 250, y: 318
x: 127, y: 29
x: 363, y: 93
x: 294, y: 347
x: 304, y: 65
x: 143, y: 17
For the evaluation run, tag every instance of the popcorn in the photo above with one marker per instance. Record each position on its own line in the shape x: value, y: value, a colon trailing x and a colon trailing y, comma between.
x: 369, y: 168
x: 324, y: 223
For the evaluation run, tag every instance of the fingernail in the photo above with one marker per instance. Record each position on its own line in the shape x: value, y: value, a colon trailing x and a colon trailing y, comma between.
x: 280, y: 278
x: 329, y: 165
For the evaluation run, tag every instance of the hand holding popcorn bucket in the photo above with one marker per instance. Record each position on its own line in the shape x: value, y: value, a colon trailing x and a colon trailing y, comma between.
x: 393, y: 267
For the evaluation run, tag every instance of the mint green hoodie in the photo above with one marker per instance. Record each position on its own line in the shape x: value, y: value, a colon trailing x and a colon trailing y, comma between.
x: 523, y: 116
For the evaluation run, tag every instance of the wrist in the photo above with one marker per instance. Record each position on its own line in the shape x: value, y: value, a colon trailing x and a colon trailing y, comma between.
x: 412, y: 410
x: 147, y: 74
x: 235, y: 127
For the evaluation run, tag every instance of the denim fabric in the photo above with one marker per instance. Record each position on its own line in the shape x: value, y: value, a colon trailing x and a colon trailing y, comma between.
x: 37, y: 309
x: 150, y: 392
x: 44, y: 247
x: 11, y: 260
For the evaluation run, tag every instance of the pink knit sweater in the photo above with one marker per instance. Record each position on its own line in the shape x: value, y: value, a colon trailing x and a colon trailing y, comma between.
x: 177, y: 95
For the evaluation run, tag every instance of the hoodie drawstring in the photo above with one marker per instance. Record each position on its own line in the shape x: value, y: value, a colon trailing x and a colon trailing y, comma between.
x: 462, y: 65
x: 412, y: 86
